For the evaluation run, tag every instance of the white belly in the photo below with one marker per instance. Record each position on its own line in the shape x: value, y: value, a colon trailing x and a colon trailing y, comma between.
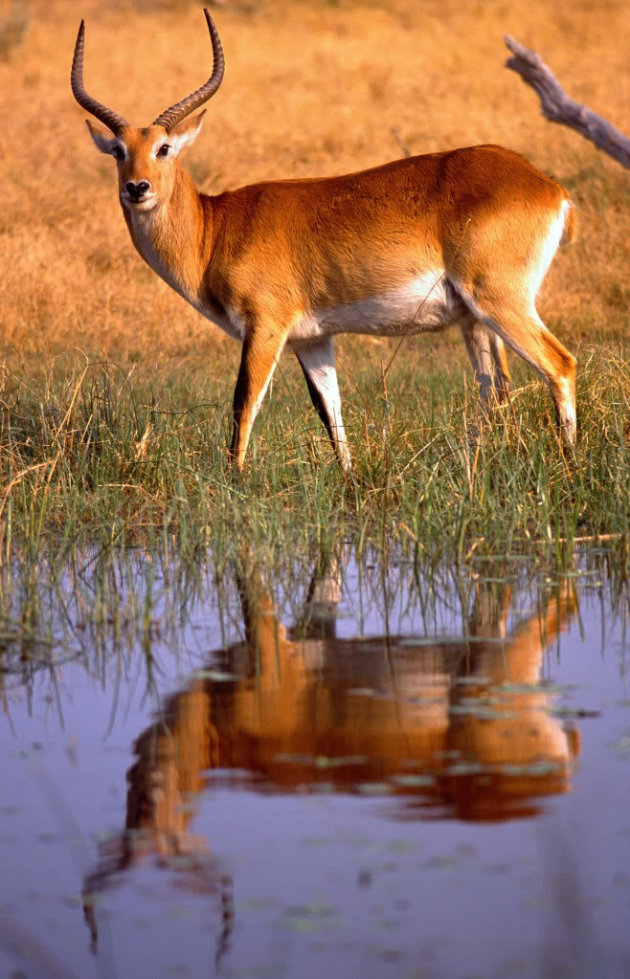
x: 428, y: 302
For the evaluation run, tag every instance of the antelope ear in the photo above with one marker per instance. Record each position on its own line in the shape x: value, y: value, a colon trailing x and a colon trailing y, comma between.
x: 186, y: 133
x: 104, y: 141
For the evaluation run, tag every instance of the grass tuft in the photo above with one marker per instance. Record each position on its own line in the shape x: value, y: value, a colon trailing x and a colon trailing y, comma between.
x: 92, y: 452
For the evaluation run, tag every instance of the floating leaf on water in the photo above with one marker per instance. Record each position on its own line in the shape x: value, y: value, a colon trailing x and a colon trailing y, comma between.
x: 540, y: 767
x: 187, y: 806
x: 257, y: 904
x: 441, y: 862
x: 181, y: 911
x: 521, y: 688
x: 425, y: 640
x: 549, y: 687
x: 622, y: 747
x: 449, y: 640
x: 473, y: 681
x: 302, y: 925
x: 288, y: 759
x: 413, y: 781
x: 402, y: 846
x: 374, y: 788
x: 105, y: 836
x: 316, y: 841
x: 322, y: 788
x: 466, y: 768
x: 308, y: 918
x: 11, y: 810
x: 524, y: 558
x: 322, y: 761
x: 499, y: 640
x: 186, y: 861
x: 543, y: 767
x: 481, y: 711
x: 313, y: 910
x: 569, y: 712
x: 215, y: 676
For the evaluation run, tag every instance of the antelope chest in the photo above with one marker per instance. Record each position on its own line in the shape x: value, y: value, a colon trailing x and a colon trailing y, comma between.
x: 145, y: 233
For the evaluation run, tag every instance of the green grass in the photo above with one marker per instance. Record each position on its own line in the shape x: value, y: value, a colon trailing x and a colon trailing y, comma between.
x: 94, y: 454
x: 118, y: 511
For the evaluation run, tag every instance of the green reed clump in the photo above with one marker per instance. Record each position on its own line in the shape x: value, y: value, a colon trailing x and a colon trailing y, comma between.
x: 105, y: 454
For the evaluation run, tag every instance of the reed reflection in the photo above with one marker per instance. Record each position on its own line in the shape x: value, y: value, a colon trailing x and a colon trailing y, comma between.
x: 457, y: 727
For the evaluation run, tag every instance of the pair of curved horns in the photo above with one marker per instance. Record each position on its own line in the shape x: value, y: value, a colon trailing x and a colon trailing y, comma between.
x: 171, y: 117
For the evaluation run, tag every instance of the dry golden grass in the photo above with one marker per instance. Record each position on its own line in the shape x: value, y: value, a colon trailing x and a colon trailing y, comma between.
x: 310, y: 88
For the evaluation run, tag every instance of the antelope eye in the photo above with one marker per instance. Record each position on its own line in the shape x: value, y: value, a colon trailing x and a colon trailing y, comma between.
x: 117, y: 152
x: 163, y: 150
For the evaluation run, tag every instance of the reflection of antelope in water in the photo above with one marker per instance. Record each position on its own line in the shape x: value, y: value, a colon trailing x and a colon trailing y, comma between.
x: 463, y: 727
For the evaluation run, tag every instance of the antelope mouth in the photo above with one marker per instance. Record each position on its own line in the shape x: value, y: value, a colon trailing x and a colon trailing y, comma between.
x: 146, y: 203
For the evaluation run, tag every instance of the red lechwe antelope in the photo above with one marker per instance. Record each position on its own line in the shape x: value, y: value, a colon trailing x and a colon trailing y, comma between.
x: 464, y: 236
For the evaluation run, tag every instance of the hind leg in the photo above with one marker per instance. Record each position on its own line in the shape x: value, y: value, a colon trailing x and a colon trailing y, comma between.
x: 487, y: 356
x: 515, y: 320
x: 318, y: 363
x: 501, y: 369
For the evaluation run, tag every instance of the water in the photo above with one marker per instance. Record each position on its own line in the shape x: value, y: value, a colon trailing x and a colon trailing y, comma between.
x: 370, y: 773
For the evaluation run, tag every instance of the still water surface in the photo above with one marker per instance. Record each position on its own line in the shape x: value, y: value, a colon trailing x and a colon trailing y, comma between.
x: 366, y: 774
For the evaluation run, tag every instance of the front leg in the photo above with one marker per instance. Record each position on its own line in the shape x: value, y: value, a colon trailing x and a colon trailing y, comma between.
x: 261, y: 351
x: 318, y: 363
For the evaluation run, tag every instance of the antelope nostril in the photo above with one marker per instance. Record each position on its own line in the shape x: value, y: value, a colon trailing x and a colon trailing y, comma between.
x: 137, y: 190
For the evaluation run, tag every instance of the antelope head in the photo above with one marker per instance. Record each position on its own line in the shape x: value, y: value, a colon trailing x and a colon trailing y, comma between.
x: 147, y: 157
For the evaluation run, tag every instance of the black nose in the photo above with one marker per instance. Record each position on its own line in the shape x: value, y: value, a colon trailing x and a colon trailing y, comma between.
x: 137, y: 190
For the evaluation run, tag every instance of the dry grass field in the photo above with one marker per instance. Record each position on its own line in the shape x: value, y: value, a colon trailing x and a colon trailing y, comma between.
x: 310, y: 88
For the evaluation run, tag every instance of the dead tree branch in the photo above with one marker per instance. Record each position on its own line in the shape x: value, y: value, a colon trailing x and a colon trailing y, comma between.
x: 558, y: 107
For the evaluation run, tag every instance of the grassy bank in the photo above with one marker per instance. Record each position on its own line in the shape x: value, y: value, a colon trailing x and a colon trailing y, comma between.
x: 95, y: 452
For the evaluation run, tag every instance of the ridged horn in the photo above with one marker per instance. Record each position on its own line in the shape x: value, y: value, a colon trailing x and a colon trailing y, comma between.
x: 173, y: 116
x: 111, y: 119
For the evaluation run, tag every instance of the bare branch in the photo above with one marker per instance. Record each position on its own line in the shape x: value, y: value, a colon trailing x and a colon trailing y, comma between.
x: 558, y: 107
